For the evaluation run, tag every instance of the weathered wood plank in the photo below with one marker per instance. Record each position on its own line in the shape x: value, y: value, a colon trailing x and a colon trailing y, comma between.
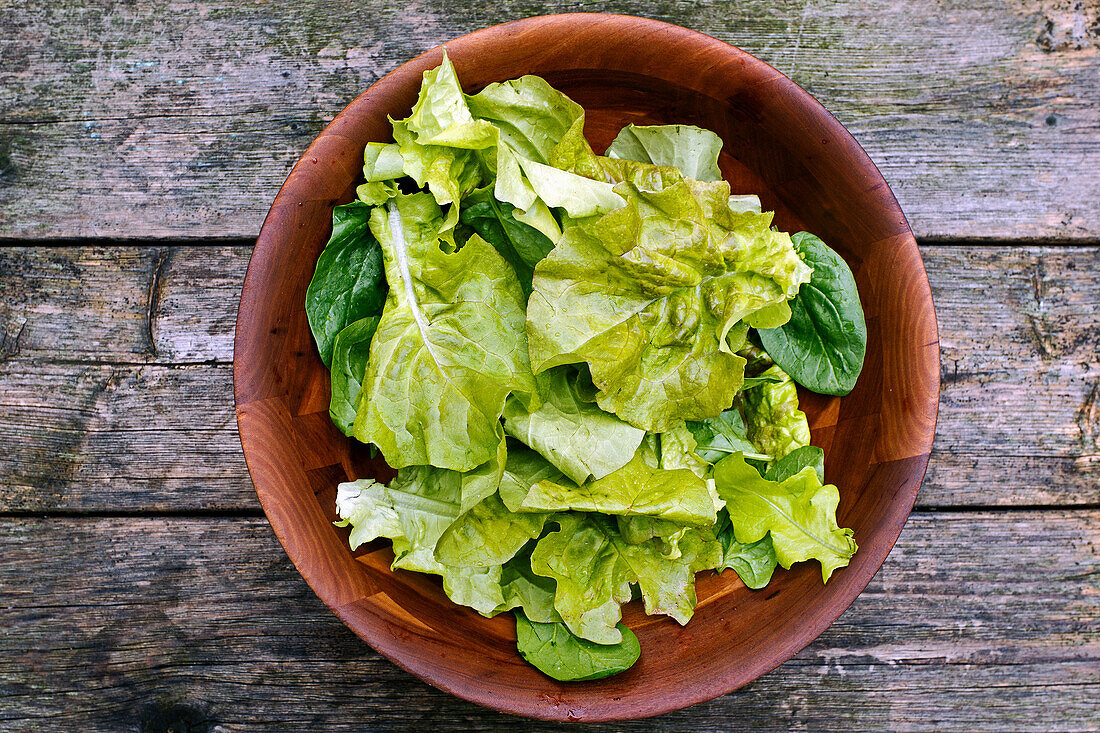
x: 150, y: 427
x: 182, y: 119
x: 110, y: 624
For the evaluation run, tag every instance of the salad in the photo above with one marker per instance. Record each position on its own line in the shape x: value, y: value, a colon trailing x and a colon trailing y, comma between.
x: 582, y: 366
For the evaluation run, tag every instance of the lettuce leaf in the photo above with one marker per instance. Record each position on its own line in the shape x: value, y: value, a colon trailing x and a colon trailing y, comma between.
x: 522, y: 588
x: 754, y: 562
x: 521, y: 244
x: 652, y: 296
x: 824, y: 343
x: 799, y: 513
x: 579, y: 438
x: 635, y: 489
x: 414, y: 511
x: 692, y: 150
x: 795, y: 461
x: 774, y: 424
x: 488, y: 534
x: 724, y: 435
x: 679, y: 449
x: 348, y: 281
x: 594, y: 569
x: 449, y: 348
x: 530, y: 116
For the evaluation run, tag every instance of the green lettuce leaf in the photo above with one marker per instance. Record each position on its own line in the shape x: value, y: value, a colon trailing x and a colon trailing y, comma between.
x: 449, y: 348
x: 523, y: 589
x: 530, y: 116
x: 635, y: 489
x: 638, y: 529
x: 522, y: 245
x: 350, y: 354
x: 594, y: 569
x: 576, y: 436
x: 754, y: 562
x: 799, y: 512
x: 414, y: 511
x: 775, y: 425
x: 554, y: 651
x: 524, y: 469
x: 653, y: 295
x: 680, y: 449
x: 382, y: 162
x: 488, y: 534
x: 692, y: 150
x: 348, y: 282
x: 365, y: 506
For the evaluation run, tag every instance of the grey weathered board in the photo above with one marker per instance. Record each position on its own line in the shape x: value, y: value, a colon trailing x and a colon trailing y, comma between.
x: 118, y: 387
x: 130, y: 619
x: 141, y: 591
x: 170, y: 119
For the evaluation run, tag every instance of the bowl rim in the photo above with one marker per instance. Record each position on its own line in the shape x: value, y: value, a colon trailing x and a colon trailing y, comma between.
x: 243, y: 370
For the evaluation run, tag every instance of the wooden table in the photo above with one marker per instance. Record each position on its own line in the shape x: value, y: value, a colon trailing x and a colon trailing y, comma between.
x: 141, y: 588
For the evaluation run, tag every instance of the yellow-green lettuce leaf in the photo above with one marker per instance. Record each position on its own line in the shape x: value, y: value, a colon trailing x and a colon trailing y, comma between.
x: 594, y: 569
x: 799, y: 513
x: 449, y: 347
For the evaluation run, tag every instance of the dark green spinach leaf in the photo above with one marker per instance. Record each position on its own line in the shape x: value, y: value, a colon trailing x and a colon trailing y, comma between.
x: 350, y: 354
x: 349, y: 282
x: 823, y: 345
x: 556, y: 652
x: 754, y: 563
x: 795, y: 461
x: 765, y: 378
x: 721, y: 436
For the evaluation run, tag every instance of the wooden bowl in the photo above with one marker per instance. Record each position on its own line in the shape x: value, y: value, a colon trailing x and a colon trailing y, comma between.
x: 779, y: 143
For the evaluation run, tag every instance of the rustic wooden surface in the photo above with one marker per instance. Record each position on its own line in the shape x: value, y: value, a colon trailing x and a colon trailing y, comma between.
x: 140, y: 589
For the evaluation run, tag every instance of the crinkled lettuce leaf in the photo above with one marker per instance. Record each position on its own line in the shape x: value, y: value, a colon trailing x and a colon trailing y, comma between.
x: 692, y: 150
x: 594, y: 569
x: 449, y: 348
x: 488, y: 534
x: 579, y: 438
x: 348, y: 281
x: 414, y: 511
x: 637, y: 488
x: 799, y: 513
x: 679, y: 449
x: 654, y: 294
x: 774, y: 424
x: 530, y: 116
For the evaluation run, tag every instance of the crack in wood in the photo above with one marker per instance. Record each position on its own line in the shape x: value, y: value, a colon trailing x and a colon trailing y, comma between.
x: 153, y: 299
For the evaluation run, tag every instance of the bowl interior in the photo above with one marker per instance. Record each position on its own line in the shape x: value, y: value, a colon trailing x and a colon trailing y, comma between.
x: 780, y: 144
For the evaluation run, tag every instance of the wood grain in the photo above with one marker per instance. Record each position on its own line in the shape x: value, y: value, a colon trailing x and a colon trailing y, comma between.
x: 98, y: 420
x: 182, y: 119
x: 207, y: 620
x: 805, y: 166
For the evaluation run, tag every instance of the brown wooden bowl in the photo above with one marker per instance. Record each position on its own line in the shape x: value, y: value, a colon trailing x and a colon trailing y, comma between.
x: 779, y: 143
